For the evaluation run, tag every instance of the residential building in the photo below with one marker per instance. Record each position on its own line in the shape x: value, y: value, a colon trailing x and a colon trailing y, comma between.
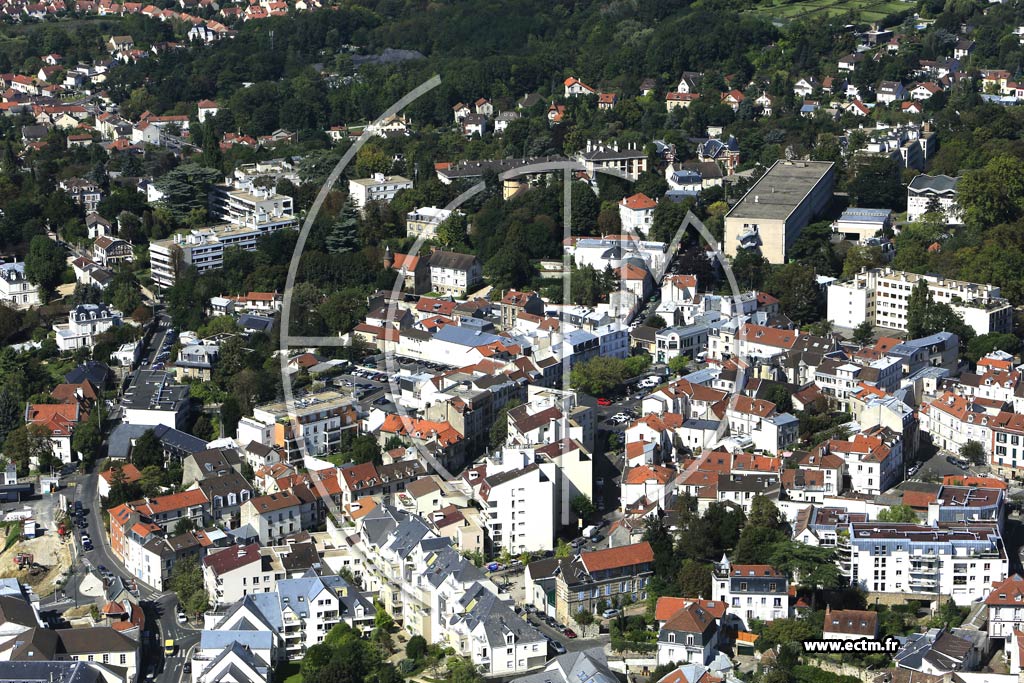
x: 203, y: 248
x: 61, y: 420
x: 881, y: 296
x: 378, y: 188
x: 1005, y: 614
x: 276, y: 515
x: 85, y: 193
x: 153, y: 399
x: 598, y: 577
x: 15, y: 289
x: 859, y: 224
x: 454, y: 274
x: 109, y: 251
x: 423, y: 222
x: 688, y: 636
x: 196, y: 361
x: 849, y: 624
x: 247, y: 205
x: 933, y: 193
x: 773, y: 212
x: 636, y: 213
x: 961, y: 560
x: 752, y: 591
x: 630, y: 162
x: 874, y: 460
x: 519, y: 507
x: 85, y: 322
x: 312, y: 424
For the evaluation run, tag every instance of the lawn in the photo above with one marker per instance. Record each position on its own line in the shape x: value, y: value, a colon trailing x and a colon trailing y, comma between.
x: 867, y: 10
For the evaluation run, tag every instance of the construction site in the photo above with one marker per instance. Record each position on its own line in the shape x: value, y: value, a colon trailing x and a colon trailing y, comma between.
x: 35, y: 556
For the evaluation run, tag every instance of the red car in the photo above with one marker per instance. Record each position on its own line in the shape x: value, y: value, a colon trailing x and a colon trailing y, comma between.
x: 603, y: 402
x: 569, y: 633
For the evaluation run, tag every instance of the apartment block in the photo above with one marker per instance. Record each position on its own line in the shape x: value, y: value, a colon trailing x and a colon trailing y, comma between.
x: 752, y: 591
x: 881, y: 295
x: 955, y: 559
x: 312, y: 425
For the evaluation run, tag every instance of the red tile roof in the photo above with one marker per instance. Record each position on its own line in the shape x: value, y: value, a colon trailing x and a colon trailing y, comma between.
x: 638, y: 202
x: 623, y: 556
x: 229, y: 559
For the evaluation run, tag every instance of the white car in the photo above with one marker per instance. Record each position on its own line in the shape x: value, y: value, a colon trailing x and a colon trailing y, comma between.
x: 181, y: 617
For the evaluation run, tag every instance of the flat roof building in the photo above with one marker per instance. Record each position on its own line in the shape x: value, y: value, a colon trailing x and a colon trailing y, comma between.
x: 773, y: 212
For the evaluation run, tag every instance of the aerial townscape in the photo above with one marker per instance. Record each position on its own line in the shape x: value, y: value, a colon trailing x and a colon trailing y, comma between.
x: 607, y: 341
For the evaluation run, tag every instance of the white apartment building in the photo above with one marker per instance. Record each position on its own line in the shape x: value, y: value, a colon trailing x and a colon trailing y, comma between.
x: 251, y: 206
x: 454, y: 273
x: 1005, y: 616
x: 15, y: 289
x: 277, y: 515
x: 234, y: 572
x: 153, y: 399
x: 758, y: 420
x: 873, y: 460
x: 925, y: 191
x: 519, y: 504
x: 960, y: 560
x: 313, y: 423
x: 423, y: 222
x: 85, y: 322
x: 378, y: 188
x: 636, y: 213
x: 752, y: 591
x: 951, y: 421
x: 880, y: 295
x: 204, y: 248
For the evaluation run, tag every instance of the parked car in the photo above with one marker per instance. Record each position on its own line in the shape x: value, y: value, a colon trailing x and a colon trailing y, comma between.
x: 603, y: 401
x: 557, y: 647
x: 181, y: 617
x: 569, y: 633
x: 610, y: 613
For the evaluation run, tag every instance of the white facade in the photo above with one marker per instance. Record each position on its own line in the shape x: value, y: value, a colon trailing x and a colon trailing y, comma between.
x: 379, y: 188
x: 961, y: 562
x: 881, y: 296
x: 519, y: 507
x: 751, y: 591
x: 15, y: 289
x: 85, y: 322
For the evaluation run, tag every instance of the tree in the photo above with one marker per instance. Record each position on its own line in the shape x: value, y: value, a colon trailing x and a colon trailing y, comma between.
x: 796, y: 287
x: 184, y: 525
x: 678, y: 364
x: 29, y: 446
x: 897, y: 513
x: 864, y: 333
x: 563, y: 549
x: 230, y: 414
x: 973, y: 452
x: 583, y: 617
x: 585, y: 209
x: 925, y: 316
x: 876, y: 182
x: 981, y: 346
x: 694, y: 579
x: 785, y: 631
x: 10, y: 413
x: 365, y: 449
x: 749, y: 268
x: 185, y: 189
x: 372, y: 159
x: 186, y: 580
x: 344, y: 232
x: 602, y: 374
x: 656, y: 321
x: 453, y: 232
x: 582, y: 506
x: 204, y: 429
x: 499, y: 429
x: 87, y: 438
x: 147, y: 451
x: 859, y: 257
x: 416, y: 648
x: 917, y: 309
x: 45, y: 263
x: 993, y: 194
